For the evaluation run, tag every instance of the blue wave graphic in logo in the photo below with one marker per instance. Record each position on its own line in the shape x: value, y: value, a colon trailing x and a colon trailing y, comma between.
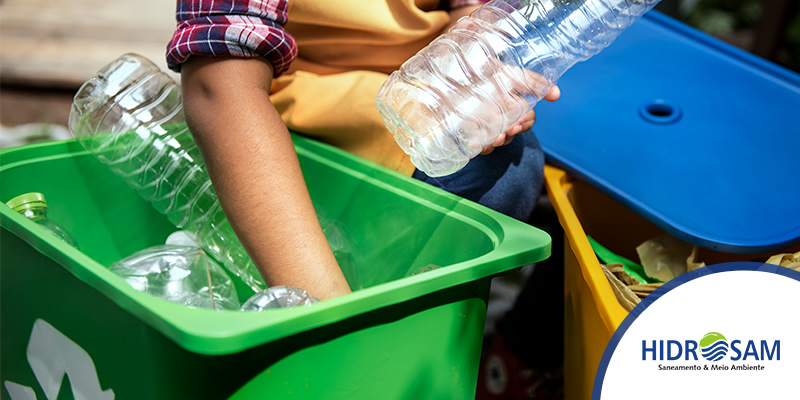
x: 714, y: 346
x: 716, y: 351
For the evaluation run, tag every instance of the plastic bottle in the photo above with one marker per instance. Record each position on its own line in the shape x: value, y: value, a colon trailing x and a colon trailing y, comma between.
x: 34, y: 207
x: 471, y: 84
x: 180, y: 274
x: 130, y: 117
x: 278, y: 297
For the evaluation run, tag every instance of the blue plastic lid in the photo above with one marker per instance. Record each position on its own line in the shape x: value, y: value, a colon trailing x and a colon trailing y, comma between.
x: 699, y: 137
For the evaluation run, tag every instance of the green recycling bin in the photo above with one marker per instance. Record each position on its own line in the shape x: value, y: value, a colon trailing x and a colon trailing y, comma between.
x: 69, y: 325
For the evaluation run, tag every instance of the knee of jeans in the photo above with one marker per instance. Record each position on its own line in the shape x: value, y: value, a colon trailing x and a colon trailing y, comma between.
x: 517, y: 201
x: 508, y: 181
x: 516, y: 192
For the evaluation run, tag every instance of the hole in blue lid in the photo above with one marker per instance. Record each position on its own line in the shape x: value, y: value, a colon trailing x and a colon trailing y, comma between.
x: 660, y: 111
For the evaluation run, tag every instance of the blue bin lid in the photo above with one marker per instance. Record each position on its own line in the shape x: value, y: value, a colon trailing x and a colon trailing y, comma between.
x: 699, y: 137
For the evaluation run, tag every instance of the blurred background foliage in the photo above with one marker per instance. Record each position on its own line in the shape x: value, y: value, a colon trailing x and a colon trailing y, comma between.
x: 723, y: 17
x: 768, y: 28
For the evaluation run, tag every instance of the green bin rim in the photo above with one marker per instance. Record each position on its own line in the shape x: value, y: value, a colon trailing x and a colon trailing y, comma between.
x: 215, y: 333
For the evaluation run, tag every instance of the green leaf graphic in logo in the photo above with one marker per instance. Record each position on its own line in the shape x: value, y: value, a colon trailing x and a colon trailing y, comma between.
x: 714, y: 346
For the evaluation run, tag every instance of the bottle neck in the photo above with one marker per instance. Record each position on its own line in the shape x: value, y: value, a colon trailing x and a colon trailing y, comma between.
x: 564, y: 33
x: 34, y: 213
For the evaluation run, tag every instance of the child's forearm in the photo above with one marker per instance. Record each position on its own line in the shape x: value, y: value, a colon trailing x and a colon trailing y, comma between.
x: 254, y: 168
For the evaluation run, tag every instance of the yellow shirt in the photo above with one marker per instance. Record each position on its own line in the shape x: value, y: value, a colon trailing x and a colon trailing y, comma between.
x: 346, y: 49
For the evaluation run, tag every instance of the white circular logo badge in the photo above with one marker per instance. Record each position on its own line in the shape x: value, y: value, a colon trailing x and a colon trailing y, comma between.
x: 726, y: 331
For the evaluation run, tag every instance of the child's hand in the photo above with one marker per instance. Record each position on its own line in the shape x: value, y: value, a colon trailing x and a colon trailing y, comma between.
x: 526, y: 122
x: 522, y: 125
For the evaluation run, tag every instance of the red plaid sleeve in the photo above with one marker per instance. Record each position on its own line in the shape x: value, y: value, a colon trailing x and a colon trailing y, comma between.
x: 241, y: 28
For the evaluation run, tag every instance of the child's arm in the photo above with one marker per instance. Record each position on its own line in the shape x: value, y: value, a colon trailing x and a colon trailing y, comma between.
x: 254, y: 168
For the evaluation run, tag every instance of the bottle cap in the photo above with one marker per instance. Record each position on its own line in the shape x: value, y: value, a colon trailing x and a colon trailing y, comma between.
x: 27, y: 201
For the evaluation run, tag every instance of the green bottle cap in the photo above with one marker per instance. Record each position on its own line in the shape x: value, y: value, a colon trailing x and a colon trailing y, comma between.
x: 26, y: 201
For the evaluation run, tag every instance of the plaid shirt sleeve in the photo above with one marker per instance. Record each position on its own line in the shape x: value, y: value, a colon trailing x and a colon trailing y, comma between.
x: 241, y: 28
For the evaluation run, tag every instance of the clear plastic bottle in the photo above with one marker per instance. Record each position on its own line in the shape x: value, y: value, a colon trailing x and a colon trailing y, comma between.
x: 472, y: 83
x: 180, y: 274
x: 278, y: 297
x: 129, y: 115
x: 34, y: 207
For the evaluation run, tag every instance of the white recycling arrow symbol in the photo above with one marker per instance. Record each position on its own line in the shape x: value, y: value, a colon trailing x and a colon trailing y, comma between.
x: 52, y: 355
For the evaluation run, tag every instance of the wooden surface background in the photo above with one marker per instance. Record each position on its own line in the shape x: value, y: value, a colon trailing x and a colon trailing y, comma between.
x: 61, y: 43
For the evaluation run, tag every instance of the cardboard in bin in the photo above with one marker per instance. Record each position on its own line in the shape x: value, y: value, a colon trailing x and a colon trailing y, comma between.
x: 695, y: 135
x: 397, y: 338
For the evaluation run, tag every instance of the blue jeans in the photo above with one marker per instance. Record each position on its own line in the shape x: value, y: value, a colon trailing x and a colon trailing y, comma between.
x: 509, y: 180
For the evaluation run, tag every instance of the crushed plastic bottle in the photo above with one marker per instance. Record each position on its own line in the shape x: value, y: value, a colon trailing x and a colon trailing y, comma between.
x: 34, y: 207
x: 278, y: 297
x: 130, y: 117
x: 181, y: 274
x: 472, y: 83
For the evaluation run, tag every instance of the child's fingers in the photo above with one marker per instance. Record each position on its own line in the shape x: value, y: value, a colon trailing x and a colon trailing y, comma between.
x: 524, y: 124
x: 499, y: 140
x: 553, y: 94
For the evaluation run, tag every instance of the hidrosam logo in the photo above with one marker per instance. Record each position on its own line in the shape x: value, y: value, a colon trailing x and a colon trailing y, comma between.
x: 713, y: 346
x: 746, y: 349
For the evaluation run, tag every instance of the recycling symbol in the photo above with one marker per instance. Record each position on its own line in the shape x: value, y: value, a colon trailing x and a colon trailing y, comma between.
x: 51, y: 356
